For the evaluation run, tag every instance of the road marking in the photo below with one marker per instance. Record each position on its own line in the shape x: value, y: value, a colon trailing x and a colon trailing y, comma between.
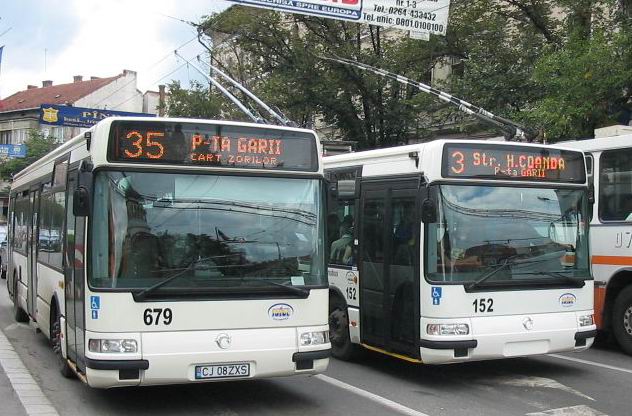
x: 539, y: 382
x: 569, y: 411
x: 30, y: 394
x: 400, y: 408
x: 579, y: 360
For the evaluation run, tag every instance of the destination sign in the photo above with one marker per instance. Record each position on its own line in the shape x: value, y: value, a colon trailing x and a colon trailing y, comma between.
x: 493, y: 161
x: 214, y: 145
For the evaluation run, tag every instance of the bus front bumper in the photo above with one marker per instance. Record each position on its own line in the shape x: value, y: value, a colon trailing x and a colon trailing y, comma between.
x: 196, y: 356
x: 505, y: 337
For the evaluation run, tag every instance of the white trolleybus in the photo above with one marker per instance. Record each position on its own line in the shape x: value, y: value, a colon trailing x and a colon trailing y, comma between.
x: 157, y: 251
x: 609, y: 161
x: 455, y: 251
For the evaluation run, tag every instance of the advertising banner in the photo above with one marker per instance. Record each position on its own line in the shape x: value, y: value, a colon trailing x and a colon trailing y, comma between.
x: 12, y: 150
x: 62, y: 115
x: 430, y: 16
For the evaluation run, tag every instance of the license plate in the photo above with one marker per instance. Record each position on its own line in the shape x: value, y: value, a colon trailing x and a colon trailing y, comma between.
x: 222, y: 370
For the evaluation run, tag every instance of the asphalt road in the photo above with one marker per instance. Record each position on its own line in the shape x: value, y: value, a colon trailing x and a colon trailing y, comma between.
x: 596, y: 382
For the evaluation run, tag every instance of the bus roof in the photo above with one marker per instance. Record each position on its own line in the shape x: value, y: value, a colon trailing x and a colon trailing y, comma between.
x: 425, y: 157
x: 602, y: 143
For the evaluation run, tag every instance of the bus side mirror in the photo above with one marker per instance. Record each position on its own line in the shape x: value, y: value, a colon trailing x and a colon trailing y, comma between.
x: 346, y: 189
x: 428, y: 211
x: 81, y: 202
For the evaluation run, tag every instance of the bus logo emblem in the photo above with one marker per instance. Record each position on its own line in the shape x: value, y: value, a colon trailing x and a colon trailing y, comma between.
x: 528, y: 324
x: 567, y: 300
x: 280, y: 312
x: 223, y: 341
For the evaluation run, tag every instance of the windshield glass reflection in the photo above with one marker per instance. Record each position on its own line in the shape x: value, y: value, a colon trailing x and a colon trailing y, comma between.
x: 533, y: 233
x: 213, y: 231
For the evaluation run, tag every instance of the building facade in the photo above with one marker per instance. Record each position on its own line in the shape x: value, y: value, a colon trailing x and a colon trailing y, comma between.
x: 20, y: 112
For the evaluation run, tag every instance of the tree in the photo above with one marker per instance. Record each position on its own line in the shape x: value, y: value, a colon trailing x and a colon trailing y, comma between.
x: 561, y: 67
x: 278, y: 56
x: 37, y: 146
x: 196, y: 102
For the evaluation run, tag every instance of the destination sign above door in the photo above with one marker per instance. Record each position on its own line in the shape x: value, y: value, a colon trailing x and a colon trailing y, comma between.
x: 497, y: 161
x: 217, y: 145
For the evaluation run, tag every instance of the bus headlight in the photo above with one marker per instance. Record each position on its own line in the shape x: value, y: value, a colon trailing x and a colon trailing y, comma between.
x: 448, y: 329
x: 113, y: 345
x: 586, y: 320
x: 314, y: 338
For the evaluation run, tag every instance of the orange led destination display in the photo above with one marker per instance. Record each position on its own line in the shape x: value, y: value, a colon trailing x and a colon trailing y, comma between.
x: 200, y: 144
x: 492, y: 161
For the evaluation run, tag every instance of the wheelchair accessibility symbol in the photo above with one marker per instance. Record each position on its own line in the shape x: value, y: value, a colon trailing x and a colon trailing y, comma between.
x: 436, y: 295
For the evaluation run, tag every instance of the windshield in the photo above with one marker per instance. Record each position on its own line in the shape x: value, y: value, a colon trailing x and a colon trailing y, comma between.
x: 533, y: 233
x: 212, y: 231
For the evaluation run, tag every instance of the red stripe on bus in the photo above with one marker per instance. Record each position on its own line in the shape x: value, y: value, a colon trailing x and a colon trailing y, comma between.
x: 612, y: 260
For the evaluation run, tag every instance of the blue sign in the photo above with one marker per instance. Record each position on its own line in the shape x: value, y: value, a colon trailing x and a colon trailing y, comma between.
x: 95, y: 302
x: 12, y: 150
x: 95, y: 314
x: 62, y: 115
x: 436, y: 295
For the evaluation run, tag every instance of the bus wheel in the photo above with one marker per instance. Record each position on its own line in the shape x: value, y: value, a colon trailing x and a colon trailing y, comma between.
x: 341, y: 346
x: 55, y: 337
x: 18, y: 312
x: 622, y: 319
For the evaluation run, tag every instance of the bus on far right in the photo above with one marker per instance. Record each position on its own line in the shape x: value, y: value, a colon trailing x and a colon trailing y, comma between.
x: 609, y: 164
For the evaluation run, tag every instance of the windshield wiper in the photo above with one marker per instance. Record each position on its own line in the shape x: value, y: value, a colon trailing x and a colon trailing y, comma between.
x: 509, y: 261
x: 294, y: 289
x: 140, y: 296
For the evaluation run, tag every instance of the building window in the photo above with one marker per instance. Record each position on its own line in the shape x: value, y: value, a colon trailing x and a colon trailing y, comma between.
x: 5, y: 137
x: 57, y: 133
x: 19, y: 136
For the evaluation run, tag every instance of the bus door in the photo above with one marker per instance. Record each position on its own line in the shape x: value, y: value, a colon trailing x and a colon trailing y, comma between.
x: 32, y: 230
x: 74, y: 279
x: 389, y: 266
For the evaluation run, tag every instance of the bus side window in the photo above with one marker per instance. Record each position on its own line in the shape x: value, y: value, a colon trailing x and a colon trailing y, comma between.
x: 615, y: 185
x: 341, y: 218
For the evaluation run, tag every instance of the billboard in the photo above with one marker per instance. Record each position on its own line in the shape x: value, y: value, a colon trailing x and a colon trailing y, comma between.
x: 63, y: 115
x: 12, y: 151
x: 429, y: 16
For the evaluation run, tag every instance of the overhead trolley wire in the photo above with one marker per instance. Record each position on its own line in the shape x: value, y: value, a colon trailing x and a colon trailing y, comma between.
x: 514, y: 131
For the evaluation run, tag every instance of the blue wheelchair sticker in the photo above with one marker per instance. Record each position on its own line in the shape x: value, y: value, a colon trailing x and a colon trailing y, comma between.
x: 95, y: 302
x: 436, y: 295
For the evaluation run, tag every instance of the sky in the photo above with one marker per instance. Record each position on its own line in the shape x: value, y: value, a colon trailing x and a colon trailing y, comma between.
x: 57, y: 39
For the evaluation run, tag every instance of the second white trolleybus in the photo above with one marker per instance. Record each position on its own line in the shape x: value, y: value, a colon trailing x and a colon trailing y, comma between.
x: 609, y: 160
x: 454, y: 251
x: 157, y: 251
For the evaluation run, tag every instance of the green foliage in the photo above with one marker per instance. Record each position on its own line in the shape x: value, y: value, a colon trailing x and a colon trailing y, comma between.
x: 194, y: 102
x: 584, y: 85
x: 37, y: 146
x: 562, y: 67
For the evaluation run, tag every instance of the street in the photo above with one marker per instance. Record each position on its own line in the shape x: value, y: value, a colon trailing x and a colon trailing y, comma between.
x: 596, y: 382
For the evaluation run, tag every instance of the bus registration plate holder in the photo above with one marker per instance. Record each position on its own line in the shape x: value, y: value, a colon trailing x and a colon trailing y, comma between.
x: 222, y: 370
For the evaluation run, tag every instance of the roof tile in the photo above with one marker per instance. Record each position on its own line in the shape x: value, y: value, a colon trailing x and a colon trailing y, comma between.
x: 56, y: 94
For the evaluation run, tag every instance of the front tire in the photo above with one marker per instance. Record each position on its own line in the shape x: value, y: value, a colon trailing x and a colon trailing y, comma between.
x: 56, y: 340
x: 622, y: 320
x: 341, y: 345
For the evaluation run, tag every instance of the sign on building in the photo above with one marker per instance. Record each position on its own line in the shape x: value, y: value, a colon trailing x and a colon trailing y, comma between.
x: 12, y: 151
x: 62, y: 115
x: 430, y: 16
